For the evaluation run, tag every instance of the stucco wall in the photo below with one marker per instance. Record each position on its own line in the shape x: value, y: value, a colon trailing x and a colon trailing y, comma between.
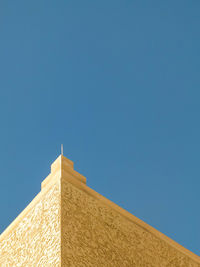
x: 34, y: 238
x: 69, y: 224
x: 94, y: 234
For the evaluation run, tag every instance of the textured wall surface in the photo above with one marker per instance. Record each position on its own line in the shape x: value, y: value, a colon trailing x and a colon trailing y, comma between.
x: 69, y: 224
x: 94, y: 234
x: 35, y: 239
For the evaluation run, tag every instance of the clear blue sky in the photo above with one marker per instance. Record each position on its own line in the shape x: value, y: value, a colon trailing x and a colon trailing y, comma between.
x: 117, y: 82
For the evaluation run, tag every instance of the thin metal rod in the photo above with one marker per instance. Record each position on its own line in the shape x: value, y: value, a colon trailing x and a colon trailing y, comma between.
x: 61, y: 149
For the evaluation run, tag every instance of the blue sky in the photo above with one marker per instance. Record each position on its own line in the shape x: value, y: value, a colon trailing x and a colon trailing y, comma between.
x: 117, y: 82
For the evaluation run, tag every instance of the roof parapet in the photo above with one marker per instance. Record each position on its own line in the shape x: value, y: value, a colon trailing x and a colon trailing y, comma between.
x: 61, y: 168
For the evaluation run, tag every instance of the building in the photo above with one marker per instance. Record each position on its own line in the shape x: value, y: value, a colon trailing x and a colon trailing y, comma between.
x: 69, y: 224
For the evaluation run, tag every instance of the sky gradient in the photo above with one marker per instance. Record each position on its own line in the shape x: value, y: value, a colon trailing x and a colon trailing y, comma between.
x: 117, y: 82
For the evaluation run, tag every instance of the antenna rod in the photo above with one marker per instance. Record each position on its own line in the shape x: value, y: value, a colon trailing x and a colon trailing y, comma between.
x: 61, y: 149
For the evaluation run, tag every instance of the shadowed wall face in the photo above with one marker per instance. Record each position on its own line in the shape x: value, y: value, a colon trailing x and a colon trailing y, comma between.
x: 94, y: 234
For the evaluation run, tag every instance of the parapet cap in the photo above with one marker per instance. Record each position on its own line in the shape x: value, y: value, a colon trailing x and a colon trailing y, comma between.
x: 61, y: 163
x: 63, y: 168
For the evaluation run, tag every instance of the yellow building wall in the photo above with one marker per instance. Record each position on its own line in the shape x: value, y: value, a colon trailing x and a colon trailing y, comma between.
x: 33, y: 239
x: 69, y: 224
x: 95, y: 233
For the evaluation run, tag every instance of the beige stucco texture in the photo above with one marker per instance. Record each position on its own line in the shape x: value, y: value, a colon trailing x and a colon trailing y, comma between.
x: 69, y: 224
